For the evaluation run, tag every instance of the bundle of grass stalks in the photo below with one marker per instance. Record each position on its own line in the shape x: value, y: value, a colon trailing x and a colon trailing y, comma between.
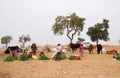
x: 74, y: 57
x: 10, y: 59
x: 71, y: 57
x: 43, y: 57
x: 62, y: 57
x: 24, y: 57
x: 118, y: 57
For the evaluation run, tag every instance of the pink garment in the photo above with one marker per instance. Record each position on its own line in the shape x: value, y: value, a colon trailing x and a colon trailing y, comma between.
x: 81, y: 50
x: 59, y: 48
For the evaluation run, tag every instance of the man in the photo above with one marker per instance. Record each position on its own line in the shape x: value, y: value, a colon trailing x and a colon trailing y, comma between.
x: 99, y: 48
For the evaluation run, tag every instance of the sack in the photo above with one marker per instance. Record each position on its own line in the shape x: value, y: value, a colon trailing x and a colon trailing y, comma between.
x: 77, y: 57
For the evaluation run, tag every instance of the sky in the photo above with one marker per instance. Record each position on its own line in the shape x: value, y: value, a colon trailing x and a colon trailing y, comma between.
x: 36, y: 18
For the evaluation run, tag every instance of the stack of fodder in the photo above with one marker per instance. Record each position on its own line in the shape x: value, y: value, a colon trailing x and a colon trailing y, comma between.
x: 74, y: 57
x: 24, y: 57
x: 43, y: 57
x: 61, y: 57
x: 10, y: 59
x: 118, y: 57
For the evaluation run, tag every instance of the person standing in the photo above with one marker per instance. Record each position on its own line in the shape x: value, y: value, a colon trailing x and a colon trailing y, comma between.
x: 59, y: 50
x: 99, y: 48
x: 81, y: 50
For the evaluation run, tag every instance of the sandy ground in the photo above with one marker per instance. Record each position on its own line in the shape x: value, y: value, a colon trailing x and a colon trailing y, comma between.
x: 90, y: 66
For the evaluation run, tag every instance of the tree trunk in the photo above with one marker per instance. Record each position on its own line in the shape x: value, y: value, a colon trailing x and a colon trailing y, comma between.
x: 71, y: 40
x: 97, y: 42
x: 23, y: 44
x: 6, y: 45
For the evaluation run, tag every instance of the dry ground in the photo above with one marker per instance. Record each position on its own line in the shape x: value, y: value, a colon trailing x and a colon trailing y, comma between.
x: 90, y: 66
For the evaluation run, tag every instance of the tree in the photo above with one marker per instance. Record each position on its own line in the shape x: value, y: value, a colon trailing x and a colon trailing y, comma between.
x: 72, y: 24
x: 6, y: 40
x: 80, y: 40
x: 23, y: 39
x: 99, y: 31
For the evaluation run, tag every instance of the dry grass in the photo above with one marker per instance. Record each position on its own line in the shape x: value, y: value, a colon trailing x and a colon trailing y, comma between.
x: 91, y: 66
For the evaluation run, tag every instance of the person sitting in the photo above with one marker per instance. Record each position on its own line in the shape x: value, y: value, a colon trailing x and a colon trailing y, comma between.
x: 14, y: 54
x: 42, y: 52
x: 115, y: 54
x: 30, y: 55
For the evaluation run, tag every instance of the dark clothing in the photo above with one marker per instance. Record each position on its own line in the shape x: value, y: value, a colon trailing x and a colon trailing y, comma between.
x: 99, y: 48
x: 58, y: 56
x: 41, y: 53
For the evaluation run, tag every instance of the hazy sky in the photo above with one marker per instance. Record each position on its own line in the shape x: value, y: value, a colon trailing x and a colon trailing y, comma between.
x: 36, y: 18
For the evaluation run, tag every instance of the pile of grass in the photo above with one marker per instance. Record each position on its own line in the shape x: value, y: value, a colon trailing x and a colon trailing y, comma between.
x: 118, y: 57
x: 71, y: 57
x: 10, y: 59
x: 61, y: 57
x: 24, y: 57
x: 43, y: 57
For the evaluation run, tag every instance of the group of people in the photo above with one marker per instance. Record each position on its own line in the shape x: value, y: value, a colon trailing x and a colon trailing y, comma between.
x: 29, y: 54
x: 59, y: 50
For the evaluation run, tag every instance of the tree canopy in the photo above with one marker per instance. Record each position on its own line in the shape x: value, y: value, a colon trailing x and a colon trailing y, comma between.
x: 71, y: 24
x: 80, y: 40
x: 99, y: 31
x: 6, y: 40
x: 23, y: 39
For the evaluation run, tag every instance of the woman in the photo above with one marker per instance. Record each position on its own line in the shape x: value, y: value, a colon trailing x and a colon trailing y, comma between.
x: 81, y: 50
x: 59, y: 50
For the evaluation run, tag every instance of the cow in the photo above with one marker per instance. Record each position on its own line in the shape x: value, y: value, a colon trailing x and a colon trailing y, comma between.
x: 73, y: 46
x: 12, y: 48
x: 90, y: 48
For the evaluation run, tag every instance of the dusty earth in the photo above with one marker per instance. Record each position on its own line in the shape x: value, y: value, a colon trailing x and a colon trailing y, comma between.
x: 90, y: 66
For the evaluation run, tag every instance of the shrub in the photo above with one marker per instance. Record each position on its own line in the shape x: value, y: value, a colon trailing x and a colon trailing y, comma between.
x: 43, y: 57
x: 10, y: 58
x: 71, y: 57
x: 24, y: 57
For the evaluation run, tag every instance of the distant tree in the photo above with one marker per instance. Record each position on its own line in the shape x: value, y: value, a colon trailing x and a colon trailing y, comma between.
x: 80, y: 40
x: 99, y: 31
x: 71, y: 24
x: 6, y: 40
x: 23, y: 39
